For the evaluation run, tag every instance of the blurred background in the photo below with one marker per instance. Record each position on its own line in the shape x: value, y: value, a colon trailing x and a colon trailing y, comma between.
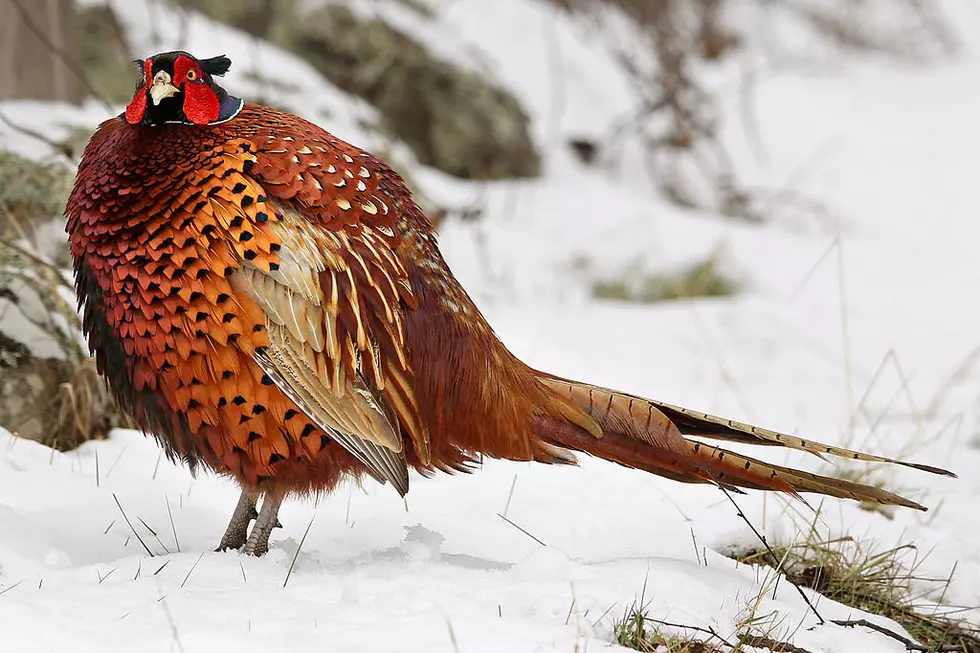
x: 766, y: 209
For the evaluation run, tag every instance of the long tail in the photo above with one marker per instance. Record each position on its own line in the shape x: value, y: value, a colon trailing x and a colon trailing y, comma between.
x: 649, y: 435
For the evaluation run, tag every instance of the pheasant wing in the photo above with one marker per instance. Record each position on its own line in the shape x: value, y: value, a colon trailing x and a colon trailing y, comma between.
x: 287, y: 365
x: 315, y: 227
x: 330, y: 323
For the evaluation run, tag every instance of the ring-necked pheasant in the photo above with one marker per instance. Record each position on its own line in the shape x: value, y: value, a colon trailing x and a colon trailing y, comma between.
x: 268, y: 301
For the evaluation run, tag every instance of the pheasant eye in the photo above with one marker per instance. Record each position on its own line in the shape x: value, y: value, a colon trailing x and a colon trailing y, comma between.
x: 191, y: 75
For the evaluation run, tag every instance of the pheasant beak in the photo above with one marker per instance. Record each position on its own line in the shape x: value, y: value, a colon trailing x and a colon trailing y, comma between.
x: 162, y: 88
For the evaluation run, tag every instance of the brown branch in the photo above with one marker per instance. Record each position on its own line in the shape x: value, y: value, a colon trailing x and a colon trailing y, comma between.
x: 909, y: 644
x: 60, y: 53
x: 774, y: 645
x: 707, y: 631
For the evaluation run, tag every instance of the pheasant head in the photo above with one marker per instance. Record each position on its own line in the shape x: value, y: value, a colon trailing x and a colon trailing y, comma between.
x: 177, y: 88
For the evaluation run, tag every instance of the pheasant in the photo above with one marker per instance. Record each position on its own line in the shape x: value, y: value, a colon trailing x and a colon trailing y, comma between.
x: 269, y: 302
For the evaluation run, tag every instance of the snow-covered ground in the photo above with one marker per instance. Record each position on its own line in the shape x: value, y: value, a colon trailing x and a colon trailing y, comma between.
x: 858, y: 328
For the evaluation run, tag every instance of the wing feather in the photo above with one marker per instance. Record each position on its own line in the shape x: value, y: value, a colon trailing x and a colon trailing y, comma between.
x: 333, y: 308
x: 382, y: 463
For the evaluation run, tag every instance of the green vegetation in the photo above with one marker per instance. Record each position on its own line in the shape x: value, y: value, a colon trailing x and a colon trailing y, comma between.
x: 703, y: 279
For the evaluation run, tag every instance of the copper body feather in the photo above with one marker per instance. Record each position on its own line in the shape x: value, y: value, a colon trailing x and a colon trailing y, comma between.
x: 269, y: 301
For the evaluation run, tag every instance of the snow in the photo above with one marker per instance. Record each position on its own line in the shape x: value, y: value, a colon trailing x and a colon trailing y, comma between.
x: 858, y: 328
x: 447, y: 562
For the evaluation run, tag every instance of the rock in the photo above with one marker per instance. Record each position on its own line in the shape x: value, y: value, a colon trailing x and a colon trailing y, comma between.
x: 32, y: 191
x: 455, y: 120
x: 32, y: 197
x: 257, y: 17
x: 49, y: 389
x: 105, y: 57
x: 51, y: 400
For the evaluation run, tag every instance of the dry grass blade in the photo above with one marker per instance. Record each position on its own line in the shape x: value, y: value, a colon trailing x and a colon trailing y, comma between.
x: 154, y: 534
x: 193, y: 567
x: 173, y: 527
x: 521, y: 529
x: 130, y: 524
x: 299, y: 548
x: 102, y: 578
x: 7, y: 589
x: 631, y: 632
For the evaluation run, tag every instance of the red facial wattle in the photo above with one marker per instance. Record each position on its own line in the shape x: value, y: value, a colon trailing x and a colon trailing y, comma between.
x: 201, y: 104
x: 136, y: 108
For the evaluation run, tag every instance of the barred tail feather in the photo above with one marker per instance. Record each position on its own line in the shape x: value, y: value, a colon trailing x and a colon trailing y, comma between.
x: 649, y: 435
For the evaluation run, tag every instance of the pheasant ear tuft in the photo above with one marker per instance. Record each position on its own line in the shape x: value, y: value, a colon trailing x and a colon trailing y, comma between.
x: 216, y: 66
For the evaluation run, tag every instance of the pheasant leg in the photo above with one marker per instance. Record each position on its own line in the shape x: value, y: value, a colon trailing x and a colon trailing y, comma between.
x: 237, y: 531
x: 258, y: 540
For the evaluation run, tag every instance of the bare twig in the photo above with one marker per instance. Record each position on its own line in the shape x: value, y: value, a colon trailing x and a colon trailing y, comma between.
x: 765, y: 543
x: 766, y: 642
x: 708, y: 631
x: 909, y: 644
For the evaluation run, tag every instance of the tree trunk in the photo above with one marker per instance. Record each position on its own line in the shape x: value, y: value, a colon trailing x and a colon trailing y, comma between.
x: 32, y: 66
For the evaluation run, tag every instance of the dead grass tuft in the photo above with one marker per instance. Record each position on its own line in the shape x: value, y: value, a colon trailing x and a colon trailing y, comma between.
x: 881, y: 582
x: 638, y: 632
x: 703, y: 279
